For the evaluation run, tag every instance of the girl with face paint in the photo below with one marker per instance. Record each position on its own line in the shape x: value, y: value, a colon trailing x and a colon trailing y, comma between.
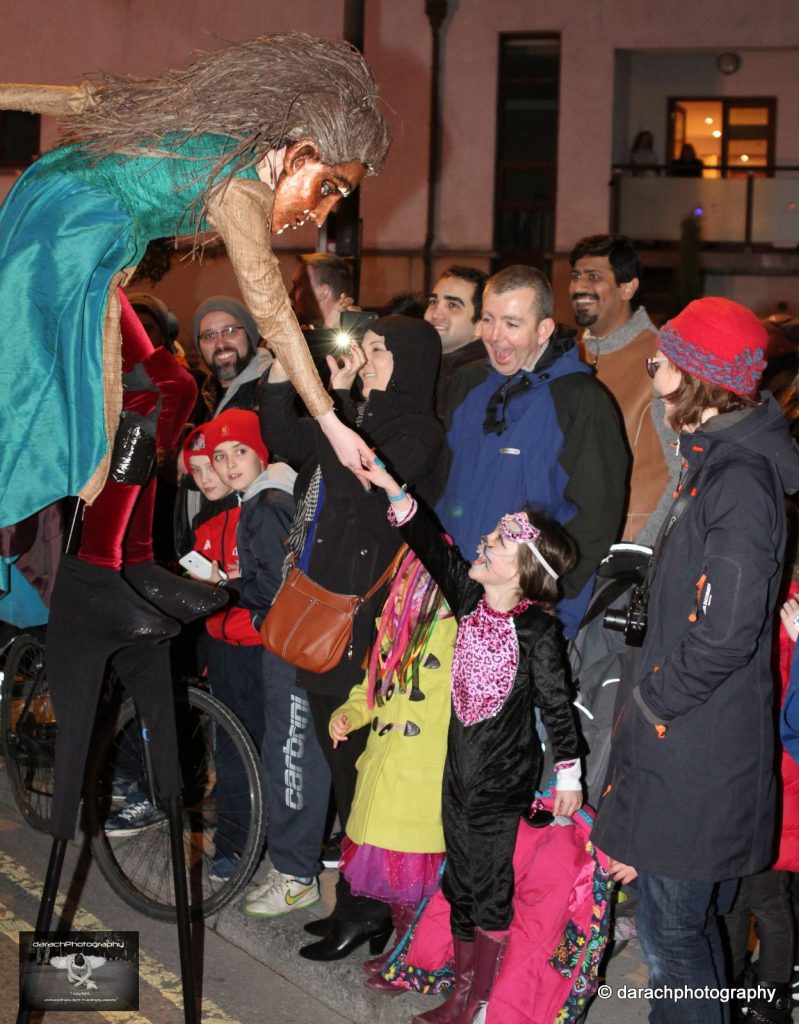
x: 508, y: 661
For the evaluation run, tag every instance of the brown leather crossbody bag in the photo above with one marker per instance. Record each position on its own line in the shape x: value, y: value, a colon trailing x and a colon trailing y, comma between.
x: 310, y: 626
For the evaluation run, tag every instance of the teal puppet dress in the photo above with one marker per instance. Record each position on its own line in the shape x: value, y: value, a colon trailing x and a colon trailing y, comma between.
x: 67, y: 229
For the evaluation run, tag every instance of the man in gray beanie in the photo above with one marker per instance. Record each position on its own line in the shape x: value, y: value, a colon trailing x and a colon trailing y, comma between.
x: 226, y: 337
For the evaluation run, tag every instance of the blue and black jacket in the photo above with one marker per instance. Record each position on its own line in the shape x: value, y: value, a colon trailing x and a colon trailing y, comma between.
x: 552, y: 437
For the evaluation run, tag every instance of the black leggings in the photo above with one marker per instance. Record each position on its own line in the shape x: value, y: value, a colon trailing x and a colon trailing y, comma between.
x: 765, y: 896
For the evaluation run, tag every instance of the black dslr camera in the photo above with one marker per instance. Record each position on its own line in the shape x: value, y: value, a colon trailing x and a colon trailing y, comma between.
x: 631, y: 621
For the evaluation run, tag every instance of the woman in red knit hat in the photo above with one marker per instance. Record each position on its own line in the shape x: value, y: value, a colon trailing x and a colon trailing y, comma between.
x: 689, y: 800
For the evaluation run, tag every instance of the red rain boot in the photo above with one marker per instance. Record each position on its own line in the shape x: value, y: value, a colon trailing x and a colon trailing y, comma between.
x: 450, y: 1010
x: 490, y: 949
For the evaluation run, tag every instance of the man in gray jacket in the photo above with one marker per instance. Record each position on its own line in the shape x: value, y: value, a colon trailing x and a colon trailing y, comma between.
x: 226, y: 337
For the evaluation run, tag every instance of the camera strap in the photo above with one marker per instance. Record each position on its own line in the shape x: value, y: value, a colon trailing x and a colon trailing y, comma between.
x: 678, y: 507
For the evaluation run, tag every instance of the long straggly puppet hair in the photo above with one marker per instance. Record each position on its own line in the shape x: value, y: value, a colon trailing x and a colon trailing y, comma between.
x: 262, y: 93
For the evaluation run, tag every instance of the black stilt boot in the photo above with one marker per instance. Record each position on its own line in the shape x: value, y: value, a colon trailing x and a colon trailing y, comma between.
x: 181, y: 598
x: 95, y: 603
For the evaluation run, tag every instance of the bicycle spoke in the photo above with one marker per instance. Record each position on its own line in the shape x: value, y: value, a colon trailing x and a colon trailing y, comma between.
x: 28, y: 730
x: 138, y: 865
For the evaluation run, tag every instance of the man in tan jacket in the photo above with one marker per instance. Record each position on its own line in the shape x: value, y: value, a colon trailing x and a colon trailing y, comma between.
x: 616, y: 341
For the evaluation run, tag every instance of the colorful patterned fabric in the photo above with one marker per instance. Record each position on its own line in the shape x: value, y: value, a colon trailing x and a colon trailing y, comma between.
x: 557, y: 937
x: 568, y: 951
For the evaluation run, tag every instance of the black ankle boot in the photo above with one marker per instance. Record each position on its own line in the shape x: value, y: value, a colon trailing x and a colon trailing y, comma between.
x: 181, y: 598
x: 94, y: 602
x: 320, y: 927
x: 774, y: 1010
x: 346, y: 936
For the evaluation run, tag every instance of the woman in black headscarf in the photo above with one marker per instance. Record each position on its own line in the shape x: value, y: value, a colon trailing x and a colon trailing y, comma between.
x: 343, y: 541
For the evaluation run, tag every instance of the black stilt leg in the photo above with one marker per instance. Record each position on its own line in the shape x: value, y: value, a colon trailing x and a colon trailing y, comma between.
x: 174, y: 808
x: 46, y: 907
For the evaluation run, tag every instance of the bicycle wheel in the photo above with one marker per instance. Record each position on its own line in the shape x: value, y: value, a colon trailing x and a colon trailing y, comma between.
x: 138, y: 865
x: 28, y: 727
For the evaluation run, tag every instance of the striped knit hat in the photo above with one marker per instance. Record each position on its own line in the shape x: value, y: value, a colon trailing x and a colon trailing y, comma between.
x: 719, y: 341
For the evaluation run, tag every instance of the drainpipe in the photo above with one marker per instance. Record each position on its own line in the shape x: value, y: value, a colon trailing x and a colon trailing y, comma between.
x: 436, y: 11
x: 346, y: 221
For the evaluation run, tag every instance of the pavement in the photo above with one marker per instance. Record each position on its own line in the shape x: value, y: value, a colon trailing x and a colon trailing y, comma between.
x: 340, y: 985
x: 274, y: 942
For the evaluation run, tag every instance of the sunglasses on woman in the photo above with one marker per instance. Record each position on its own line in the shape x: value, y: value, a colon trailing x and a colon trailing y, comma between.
x: 652, y: 365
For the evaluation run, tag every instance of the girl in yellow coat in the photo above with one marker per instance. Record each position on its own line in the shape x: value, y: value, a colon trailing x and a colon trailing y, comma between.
x: 394, y: 845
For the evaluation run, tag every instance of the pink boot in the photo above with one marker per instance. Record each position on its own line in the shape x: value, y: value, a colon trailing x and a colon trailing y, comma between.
x: 451, y: 1010
x: 489, y: 951
x: 401, y: 916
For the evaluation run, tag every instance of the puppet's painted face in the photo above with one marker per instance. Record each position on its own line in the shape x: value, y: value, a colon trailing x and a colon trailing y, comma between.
x: 307, y: 189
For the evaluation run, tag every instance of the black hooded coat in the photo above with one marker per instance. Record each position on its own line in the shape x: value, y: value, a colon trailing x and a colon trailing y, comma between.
x: 353, y: 542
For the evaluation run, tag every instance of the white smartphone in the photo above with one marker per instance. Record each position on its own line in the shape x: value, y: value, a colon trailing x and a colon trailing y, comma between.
x: 199, y: 566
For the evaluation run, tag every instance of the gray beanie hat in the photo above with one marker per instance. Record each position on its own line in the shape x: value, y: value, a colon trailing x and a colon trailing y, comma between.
x: 226, y: 304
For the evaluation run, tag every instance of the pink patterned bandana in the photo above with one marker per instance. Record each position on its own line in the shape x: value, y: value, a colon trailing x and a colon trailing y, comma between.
x: 485, y: 662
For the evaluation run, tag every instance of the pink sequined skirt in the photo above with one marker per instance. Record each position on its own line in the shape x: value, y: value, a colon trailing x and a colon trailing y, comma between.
x: 388, y: 875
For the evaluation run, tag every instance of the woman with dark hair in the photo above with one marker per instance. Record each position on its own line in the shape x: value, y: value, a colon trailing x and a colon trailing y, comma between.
x: 342, y: 540
x: 687, y: 164
x: 689, y: 799
x: 642, y: 155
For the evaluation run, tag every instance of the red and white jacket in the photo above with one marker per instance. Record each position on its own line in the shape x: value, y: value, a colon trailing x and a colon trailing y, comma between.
x: 216, y: 539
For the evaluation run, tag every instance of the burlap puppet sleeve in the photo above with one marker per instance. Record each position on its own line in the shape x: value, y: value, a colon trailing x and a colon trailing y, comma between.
x: 55, y: 100
x: 242, y: 213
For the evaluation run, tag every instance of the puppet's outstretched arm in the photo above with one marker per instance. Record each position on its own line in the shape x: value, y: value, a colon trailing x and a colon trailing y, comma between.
x: 241, y: 213
x: 55, y: 100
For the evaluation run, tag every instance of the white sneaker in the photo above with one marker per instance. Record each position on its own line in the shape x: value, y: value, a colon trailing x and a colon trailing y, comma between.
x: 264, y: 887
x: 281, y: 894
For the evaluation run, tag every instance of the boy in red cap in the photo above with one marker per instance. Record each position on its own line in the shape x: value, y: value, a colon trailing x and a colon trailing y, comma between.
x: 295, y: 772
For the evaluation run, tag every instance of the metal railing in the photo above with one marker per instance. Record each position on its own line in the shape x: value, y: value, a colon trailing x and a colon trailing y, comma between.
x: 759, y: 206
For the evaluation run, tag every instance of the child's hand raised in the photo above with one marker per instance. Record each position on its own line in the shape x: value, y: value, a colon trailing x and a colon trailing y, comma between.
x: 339, y: 727
x: 374, y: 471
